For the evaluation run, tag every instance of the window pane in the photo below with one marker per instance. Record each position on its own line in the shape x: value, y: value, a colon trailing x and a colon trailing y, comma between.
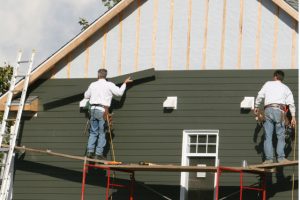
x: 193, y: 149
x: 212, y: 139
x: 201, y: 149
x: 201, y: 138
x: 211, y: 149
x: 193, y: 138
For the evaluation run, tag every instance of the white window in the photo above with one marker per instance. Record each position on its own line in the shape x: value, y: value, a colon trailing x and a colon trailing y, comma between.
x: 199, y: 148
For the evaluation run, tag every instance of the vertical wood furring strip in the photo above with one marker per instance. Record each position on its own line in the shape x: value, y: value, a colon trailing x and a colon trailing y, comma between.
x: 171, y: 35
x: 104, y: 46
x: 154, y: 32
x: 137, y: 37
x: 223, y: 34
x: 240, y: 34
x: 294, y: 44
x: 120, y: 43
x: 258, y: 36
x: 53, y: 72
x: 87, y: 58
x: 69, y: 65
x: 188, y: 48
x: 275, y: 44
x: 205, y: 35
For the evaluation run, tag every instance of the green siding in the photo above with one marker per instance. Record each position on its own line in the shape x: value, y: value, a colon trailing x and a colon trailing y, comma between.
x: 143, y: 131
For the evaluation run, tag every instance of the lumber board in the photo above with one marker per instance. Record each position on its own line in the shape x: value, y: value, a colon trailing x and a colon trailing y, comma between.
x: 114, y: 165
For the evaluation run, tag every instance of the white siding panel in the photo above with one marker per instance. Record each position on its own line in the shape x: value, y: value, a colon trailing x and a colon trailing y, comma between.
x: 284, y: 51
x: 249, y: 35
x: 95, y: 59
x: 77, y: 62
x: 231, y: 34
x: 61, y: 68
x: 214, y: 34
x: 146, y: 21
x: 180, y: 34
x: 197, y: 33
x: 129, y: 35
x: 267, y: 34
x: 163, y: 23
x: 112, y: 47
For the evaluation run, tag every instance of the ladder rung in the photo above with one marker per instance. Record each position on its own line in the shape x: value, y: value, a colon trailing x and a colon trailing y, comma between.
x: 10, y: 120
x: 21, y: 75
x: 4, y: 149
x: 24, y: 61
x: 16, y: 91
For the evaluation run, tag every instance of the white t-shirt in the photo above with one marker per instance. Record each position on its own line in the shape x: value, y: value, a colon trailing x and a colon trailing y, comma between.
x: 275, y: 92
x: 102, y: 92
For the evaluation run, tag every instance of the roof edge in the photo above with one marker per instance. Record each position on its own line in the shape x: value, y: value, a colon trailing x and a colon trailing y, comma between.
x: 74, y: 43
x: 287, y: 8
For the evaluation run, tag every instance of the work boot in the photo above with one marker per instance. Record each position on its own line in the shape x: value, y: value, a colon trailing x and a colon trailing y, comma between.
x: 284, y: 161
x: 90, y: 154
x: 267, y: 162
x: 100, y: 157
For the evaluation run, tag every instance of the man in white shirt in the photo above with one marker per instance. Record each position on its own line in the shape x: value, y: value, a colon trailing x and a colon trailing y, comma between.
x: 277, y: 96
x: 100, y: 94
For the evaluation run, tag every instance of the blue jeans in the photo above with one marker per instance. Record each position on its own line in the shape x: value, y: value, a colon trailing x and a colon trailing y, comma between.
x: 97, y: 133
x: 274, y: 119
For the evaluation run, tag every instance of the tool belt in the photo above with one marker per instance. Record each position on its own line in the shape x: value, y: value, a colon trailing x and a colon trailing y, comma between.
x: 106, y: 111
x: 275, y: 105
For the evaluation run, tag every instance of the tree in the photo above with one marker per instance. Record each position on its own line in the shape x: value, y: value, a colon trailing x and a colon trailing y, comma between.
x: 84, y: 23
x: 5, y: 76
x: 110, y: 3
x: 107, y: 3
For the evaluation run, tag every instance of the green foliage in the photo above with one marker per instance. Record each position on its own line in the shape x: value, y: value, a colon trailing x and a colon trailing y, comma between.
x: 5, y: 76
x: 110, y: 3
x: 84, y: 23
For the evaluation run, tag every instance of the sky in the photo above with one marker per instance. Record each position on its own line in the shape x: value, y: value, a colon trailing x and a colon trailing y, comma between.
x: 42, y: 25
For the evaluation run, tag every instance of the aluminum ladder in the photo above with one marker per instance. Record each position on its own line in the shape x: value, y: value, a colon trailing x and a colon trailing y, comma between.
x: 12, y: 123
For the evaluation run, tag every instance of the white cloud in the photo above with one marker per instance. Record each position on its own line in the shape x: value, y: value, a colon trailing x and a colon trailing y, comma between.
x: 41, y: 25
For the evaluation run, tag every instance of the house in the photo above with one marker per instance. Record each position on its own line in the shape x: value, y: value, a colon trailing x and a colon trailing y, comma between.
x: 209, y: 54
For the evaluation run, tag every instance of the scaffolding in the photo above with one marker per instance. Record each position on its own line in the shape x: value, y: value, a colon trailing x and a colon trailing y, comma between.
x: 110, y: 166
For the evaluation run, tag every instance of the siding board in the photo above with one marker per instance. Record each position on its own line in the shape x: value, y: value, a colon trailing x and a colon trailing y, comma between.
x: 143, y: 130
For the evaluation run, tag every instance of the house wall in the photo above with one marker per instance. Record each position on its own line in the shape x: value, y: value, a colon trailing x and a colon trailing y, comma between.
x: 188, y: 35
x: 143, y: 131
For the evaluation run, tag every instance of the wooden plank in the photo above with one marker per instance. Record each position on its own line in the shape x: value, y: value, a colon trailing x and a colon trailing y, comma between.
x: 137, y: 37
x: 188, y: 48
x: 287, y: 8
x: 114, y: 165
x: 223, y: 34
x: 87, y: 58
x: 68, y: 68
x: 275, y: 42
x: 290, y: 163
x: 171, y: 35
x: 258, y: 35
x: 154, y: 33
x: 294, y: 44
x: 203, y: 65
x: 104, y: 48
x: 240, y: 38
x: 120, y: 43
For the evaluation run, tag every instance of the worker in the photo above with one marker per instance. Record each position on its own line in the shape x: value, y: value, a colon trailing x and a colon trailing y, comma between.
x: 100, y: 94
x: 277, y: 96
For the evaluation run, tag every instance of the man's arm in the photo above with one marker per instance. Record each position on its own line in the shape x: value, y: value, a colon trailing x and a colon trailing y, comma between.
x: 258, y: 100
x: 119, y: 91
x: 292, y: 107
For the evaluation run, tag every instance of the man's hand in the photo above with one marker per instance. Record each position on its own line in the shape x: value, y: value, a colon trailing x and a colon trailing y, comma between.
x: 256, y: 110
x: 128, y: 80
x: 293, y: 121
